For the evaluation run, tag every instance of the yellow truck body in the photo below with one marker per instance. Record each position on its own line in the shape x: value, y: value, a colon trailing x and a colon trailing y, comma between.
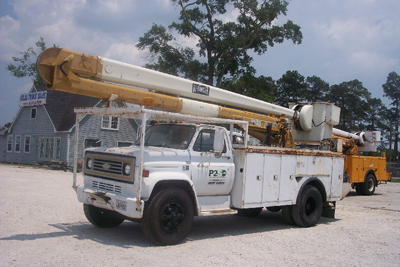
x: 361, y: 169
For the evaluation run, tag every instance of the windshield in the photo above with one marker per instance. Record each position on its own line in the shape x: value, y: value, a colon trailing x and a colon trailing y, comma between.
x: 169, y: 135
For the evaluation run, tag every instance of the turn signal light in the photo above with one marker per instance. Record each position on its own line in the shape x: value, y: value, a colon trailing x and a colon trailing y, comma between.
x: 145, y: 173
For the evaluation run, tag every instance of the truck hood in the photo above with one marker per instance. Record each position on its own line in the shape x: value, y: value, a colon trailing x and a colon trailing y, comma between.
x: 134, y: 151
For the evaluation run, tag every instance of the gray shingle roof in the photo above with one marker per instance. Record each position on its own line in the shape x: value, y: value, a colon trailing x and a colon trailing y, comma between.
x: 60, y: 107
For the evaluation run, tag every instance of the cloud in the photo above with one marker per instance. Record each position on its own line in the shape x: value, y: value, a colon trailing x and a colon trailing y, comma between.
x: 127, y: 53
x: 359, y: 34
x: 9, y: 27
x: 368, y: 61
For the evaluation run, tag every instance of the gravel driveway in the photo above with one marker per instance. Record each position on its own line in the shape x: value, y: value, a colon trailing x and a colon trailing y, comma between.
x: 42, y: 224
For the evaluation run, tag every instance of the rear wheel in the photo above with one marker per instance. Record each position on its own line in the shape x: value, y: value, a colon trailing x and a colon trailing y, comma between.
x: 287, y: 215
x: 369, y: 185
x: 249, y: 212
x: 168, y: 216
x: 274, y: 209
x: 100, y: 217
x: 307, y: 211
x: 359, y: 189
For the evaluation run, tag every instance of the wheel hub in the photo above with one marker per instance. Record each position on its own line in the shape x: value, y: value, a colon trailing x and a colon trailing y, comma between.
x: 172, y: 216
x: 310, y: 207
x: 370, y: 185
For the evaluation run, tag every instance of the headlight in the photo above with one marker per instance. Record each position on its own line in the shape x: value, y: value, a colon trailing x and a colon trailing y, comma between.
x: 89, y: 163
x: 127, y: 169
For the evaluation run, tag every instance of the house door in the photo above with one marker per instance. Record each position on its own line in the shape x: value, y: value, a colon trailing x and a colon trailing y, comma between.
x: 49, y: 148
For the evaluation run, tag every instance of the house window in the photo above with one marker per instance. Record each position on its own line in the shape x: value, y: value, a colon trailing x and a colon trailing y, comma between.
x: 17, y: 143
x: 110, y: 123
x: 27, y: 144
x: 33, y: 113
x: 92, y: 143
x: 9, y: 143
x: 124, y: 143
x: 49, y: 148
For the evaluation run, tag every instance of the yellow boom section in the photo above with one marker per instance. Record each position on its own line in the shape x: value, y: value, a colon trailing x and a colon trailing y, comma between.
x: 78, y: 73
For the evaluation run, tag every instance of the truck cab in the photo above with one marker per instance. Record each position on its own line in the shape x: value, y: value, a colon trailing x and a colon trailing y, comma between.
x: 172, y: 151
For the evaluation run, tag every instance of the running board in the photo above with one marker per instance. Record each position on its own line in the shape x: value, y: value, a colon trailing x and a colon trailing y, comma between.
x: 218, y: 212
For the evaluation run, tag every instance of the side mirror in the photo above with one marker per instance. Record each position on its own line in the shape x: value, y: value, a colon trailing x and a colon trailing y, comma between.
x: 218, y: 146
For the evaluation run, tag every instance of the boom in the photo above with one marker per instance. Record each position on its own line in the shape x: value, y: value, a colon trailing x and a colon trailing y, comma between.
x: 75, y: 72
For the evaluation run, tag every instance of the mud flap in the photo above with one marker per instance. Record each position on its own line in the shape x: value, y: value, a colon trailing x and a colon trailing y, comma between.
x: 328, y: 210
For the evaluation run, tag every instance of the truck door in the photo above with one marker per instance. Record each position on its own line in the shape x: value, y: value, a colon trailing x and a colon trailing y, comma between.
x: 211, y: 175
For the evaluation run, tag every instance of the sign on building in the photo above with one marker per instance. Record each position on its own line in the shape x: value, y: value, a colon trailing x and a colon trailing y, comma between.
x: 32, y: 99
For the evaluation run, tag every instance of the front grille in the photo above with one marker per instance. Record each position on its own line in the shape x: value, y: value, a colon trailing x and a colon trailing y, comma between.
x: 108, y: 166
x: 107, y: 187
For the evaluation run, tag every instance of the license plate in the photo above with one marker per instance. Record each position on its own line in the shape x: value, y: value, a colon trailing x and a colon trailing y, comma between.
x: 121, y: 205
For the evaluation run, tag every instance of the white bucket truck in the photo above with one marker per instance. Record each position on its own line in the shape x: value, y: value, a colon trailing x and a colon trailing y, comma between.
x: 180, y: 170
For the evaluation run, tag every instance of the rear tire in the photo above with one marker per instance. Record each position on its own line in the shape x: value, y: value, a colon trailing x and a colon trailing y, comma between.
x: 369, y: 185
x: 274, y: 209
x: 168, y: 216
x: 307, y: 211
x: 249, y: 212
x: 287, y: 215
x: 100, y: 217
x: 359, y: 189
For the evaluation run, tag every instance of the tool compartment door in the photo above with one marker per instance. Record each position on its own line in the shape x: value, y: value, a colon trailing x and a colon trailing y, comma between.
x: 272, y: 174
x: 253, y: 184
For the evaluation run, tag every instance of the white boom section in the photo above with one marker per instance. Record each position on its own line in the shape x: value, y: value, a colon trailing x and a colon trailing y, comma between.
x: 366, y: 141
x: 123, y: 73
x: 345, y: 134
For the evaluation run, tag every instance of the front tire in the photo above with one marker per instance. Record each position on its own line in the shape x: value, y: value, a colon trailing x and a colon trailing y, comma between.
x: 168, y: 216
x: 369, y: 185
x: 100, y: 217
x: 307, y: 211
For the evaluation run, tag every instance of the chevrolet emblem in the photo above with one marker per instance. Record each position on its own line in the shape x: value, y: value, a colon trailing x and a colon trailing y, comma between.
x: 106, y: 166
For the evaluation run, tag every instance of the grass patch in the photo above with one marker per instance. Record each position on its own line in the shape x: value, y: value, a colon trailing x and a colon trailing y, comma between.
x: 45, y: 165
x: 37, y: 166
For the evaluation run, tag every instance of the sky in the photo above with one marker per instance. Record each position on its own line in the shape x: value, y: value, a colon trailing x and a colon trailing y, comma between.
x: 343, y: 40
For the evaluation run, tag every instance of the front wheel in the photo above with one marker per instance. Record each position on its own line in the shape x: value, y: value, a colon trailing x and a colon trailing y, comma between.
x: 100, y: 217
x: 168, y: 216
x: 369, y: 185
x: 307, y: 211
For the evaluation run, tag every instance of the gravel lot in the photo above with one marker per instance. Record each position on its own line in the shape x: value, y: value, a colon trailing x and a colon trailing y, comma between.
x: 42, y: 224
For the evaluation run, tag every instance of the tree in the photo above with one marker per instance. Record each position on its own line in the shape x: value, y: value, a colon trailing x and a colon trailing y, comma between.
x: 352, y: 98
x: 376, y: 115
x: 390, y: 120
x: 26, y: 64
x: 392, y: 90
x: 262, y: 88
x: 317, y: 89
x: 291, y: 87
x: 224, y: 44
